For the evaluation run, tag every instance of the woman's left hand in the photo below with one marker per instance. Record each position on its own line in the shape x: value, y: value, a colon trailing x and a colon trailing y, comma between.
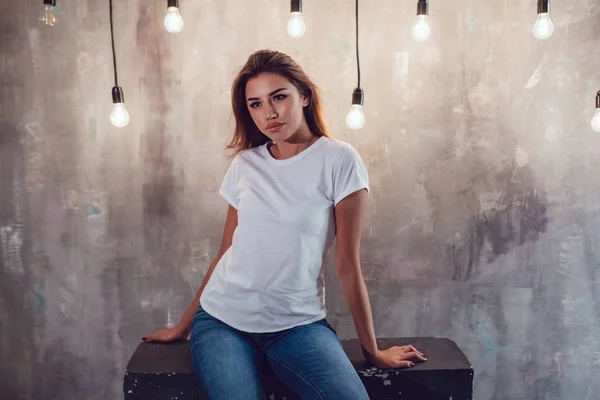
x: 397, y: 357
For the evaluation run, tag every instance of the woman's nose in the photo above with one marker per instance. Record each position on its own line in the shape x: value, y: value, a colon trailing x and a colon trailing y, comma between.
x: 270, y: 111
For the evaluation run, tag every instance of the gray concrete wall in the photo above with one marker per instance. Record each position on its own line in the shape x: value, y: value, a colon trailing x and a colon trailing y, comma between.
x: 484, y: 215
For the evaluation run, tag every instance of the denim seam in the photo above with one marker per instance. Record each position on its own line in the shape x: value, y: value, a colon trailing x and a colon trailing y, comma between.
x: 298, y: 375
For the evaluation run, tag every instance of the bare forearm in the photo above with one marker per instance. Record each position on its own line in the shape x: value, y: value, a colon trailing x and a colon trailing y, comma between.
x: 185, y: 323
x: 357, y: 296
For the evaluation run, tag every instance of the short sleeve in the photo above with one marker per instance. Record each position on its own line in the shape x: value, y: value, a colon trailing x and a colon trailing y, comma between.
x: 228, y: 186
x: 349, y: 173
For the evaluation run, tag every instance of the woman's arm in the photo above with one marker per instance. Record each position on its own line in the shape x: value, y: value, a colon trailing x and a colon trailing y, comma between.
x: 182, y: 329
x: 349, y: 216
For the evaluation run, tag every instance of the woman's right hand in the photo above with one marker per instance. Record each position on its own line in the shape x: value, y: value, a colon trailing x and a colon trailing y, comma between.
x: 166, y: 335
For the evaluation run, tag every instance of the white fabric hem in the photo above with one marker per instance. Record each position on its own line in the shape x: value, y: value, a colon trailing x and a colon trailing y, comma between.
x: 349, y: 191
x: 228, y: 199
x: 245, y: 329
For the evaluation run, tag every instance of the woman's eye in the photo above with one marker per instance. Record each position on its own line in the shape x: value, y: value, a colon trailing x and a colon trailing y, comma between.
x: 279, y: 97
x: 255, y: 104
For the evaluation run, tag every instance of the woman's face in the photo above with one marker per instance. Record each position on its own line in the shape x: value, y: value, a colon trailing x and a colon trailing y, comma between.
x: 276, y: 106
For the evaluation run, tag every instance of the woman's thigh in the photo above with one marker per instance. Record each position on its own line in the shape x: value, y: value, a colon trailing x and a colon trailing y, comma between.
x: 310, y: 360
x: 225, y: 359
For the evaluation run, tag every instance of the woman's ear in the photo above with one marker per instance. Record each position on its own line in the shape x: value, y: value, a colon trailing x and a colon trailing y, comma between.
x: 306, y: 100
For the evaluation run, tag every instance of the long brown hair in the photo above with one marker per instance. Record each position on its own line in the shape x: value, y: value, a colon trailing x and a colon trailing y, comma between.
x: 246, y: 134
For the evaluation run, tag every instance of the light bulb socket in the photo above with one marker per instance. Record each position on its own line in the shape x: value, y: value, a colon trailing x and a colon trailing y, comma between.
x: 172, y: 3
x: 50, y: 3
x: 358, y: 96
x: 117, y: 95
x: 296, y: 6
x: 423, y: 7
x: 543, y: 6
x: 598, y: 99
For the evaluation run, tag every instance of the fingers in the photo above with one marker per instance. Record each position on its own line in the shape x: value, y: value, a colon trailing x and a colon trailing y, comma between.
x: 410, y: 349
x: 400, y: 357
x: 412, y: 354
x: 396, y: 363
x: 404, y: 364
x: 151, y: 338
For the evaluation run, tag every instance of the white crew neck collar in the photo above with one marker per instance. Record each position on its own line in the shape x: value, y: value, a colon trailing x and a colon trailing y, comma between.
x: 298, y: 156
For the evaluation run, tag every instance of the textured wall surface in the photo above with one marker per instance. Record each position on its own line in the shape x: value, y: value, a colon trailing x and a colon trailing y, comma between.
x: 484, y: 216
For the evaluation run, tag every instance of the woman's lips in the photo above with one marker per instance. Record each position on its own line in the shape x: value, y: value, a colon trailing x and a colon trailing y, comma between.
x: 274, y: 127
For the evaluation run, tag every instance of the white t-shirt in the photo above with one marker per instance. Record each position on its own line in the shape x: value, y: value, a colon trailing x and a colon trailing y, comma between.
x: 271, y: 277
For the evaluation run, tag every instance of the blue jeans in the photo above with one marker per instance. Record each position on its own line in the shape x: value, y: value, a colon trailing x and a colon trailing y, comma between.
x: 308, y: 359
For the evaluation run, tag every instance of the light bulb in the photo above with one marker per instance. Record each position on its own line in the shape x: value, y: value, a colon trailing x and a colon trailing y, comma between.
x: 596, y: 120
x: 119, y: 116
x: 355, y: 119
x: 543, y: 27
x: 296, y: 26
x: 48, y: 17
x: 173, y: 20
x: 421, y: 30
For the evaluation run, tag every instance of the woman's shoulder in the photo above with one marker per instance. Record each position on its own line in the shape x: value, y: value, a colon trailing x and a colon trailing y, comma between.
x: 336, y: 145
x: 248, y: 154
x: 340, y: 148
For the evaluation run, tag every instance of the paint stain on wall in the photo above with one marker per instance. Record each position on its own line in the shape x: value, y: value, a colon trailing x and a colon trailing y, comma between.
x: 515, y: 219
x: 90, y: 203
x: 518, y: 218
x: 11, y: 242
x: 39, y: 302
x: 470, y: 21
x: 473, y: 224
x: 93, y: 210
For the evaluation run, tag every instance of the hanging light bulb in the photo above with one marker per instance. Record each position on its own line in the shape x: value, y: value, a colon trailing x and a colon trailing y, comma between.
x: 596, y: 118
x: 543, y: 27
x: 173, y: 20
x: 48, y: 17
x: 296, y: 26
x: 355, y: 119
x: 421, y: 30
x: 119, y: 116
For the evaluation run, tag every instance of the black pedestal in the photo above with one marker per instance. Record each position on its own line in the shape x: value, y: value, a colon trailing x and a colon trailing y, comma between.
x: 164, y: 372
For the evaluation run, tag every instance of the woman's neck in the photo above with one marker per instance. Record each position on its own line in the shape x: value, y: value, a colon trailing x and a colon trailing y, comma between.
x: 293, y: 146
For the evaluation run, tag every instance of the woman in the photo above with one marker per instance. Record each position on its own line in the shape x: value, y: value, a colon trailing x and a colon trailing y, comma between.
x: 291, y: 190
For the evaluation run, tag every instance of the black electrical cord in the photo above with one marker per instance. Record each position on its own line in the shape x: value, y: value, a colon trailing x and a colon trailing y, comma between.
x: 358, y: 95
x: 112, y: 39
x: 356, y: 39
